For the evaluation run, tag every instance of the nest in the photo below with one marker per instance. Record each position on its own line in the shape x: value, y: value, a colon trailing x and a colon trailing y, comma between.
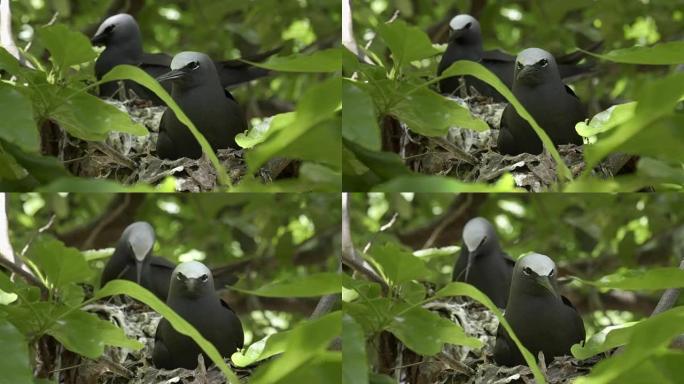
x: 471, y: 156
x: 457, y: 364
x: 121, y: 365
x: 129, y: 159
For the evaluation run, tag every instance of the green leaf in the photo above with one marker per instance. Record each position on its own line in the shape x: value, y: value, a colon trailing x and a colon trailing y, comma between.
x: 425, y: 332
x: 270, y: 345
x: 385, y: 165
x: 360, y: 124
x: 463, y: 289
x: 123, y: 287
x: 430, y: 114
x: 129, y: 72
x: 59, y: 264
x: 66, y: 47
x: 42, y: 169
x: 318, y: 104
x: 355, y: 362
x: 87, y: 335
x: 312, y: 285
x: 407, y: 43
x: 664, y: 367
x: 604, y: 340
x: 606, y: 120
x: 657, y: 98
x: 8, y: 62
x: 661, y: 172
x: 663, y: 139
x: 260, y: 132
x: 90, y: 118
x: 430, y: 184
x: 463, y: 67
x: 328, y: 60
x: 667, y: 53
x: 326, y: 365
x: 398, y: 264
x: 304, y: 343
x: 18, y: 127
x: 77, y: 184
x: 647, y: 279
x: 648, y: 337
x: 14, y: 364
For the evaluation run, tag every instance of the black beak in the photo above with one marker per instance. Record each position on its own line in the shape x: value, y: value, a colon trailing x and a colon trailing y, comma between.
x: 172, y: 75
x: 138, y: 271
x: 526, y: 71
x: 99, y: 40
x: 455, y: 34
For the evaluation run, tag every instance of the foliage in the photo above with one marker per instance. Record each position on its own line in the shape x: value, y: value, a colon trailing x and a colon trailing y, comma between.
x: 394, y: 87
x: 281, y: 254
x: 605, y: 246
x: 55, y: 95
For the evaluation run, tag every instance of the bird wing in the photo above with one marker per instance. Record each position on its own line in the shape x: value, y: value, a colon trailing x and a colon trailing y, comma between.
x: 241, y: 341
x: 497, y: 55
x: 580, y: 332
x: 508, y: 259
x: 158, y: 261
x: 156, y: 59
x: 160, y: 354
x: 256, y: 58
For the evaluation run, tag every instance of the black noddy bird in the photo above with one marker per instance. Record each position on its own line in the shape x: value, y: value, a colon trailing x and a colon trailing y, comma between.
x: 482, y: 263
x: 121, y: 37
x: 465, y: 43
x: 542, y: 319
x: 552, y: 104
x: 211, y: 108
x: 133, y: 260
x: 192, y: 296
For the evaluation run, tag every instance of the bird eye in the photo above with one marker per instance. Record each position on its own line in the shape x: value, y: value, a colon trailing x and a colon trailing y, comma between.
x: 180, y: 276
x: 193, y: 65
x: 204, y: 278
x: 467, y: 26
x: 543, y: 62
x: 520, y: 65
x: 109, y: 28
x: 527, y: 271
x: 552, y: 272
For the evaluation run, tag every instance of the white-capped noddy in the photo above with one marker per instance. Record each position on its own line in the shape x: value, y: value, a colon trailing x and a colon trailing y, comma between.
x: 542, y: 319
x: 212, y: 109
x: 133, y: 260
x: 552, y: 104
x: 192, y: 297
x: 482, y: 263
x: 121, y: 37
x: 465, y: 43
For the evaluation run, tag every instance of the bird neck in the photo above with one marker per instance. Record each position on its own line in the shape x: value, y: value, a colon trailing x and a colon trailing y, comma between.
x: 464, y: 50
x: 130, y: 53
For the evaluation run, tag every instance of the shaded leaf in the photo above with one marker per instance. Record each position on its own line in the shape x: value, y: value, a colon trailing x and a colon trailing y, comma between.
x: 312, y: 285
x: 66, y: 47
x: 59, y: 264
x: 398, y: 264
x: 666, y: 53
x: 648, y: 279
x: 328, y: 60
x: 14, y: 364
x: 355, y: 362
x: 407, y: 43
x: 428, y: 183
x: 359, y: 123
x: 18, y: 126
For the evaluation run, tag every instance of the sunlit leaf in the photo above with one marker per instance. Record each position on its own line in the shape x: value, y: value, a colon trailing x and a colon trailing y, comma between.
x: 667, y: 53
x: 59, y: 264
x: 407, y: 43
x: 312, y: 285
x: 647, y: 279
x: 67, y: 47
x: 398, y: 264
x: 329, y: 60
x: 355, y: 362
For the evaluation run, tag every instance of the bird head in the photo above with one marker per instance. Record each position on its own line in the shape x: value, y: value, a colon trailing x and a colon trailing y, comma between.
x: 191, y: 279
x: 535, y: 66
x: 139, y: 237
x: 535, y: 274
x: 118, y: 30
x: 189, y: 69
x: 465, y: 29
x: 479, y: 237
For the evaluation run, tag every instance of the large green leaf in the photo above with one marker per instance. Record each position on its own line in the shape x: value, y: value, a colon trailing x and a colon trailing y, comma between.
x: 663, y: 139
x: 667, y: 53
x: 318, y: 104
x: 463, y: 289
x: 429, y: 183
x: 407, y: 43
x: 14, y: 364
x: 425, y: 332
x: 123, y: 287
x: 647, y: 279
x: 325, y: 366
x: 59, y: 264
x: 385, y: 165
x: 41, y: 169
x: 87, y: 335
x: 304, y: 343
x: 66, y: 47
x: 329, y: 60
x: 89, y: 118
x: 604, y: 340
x: 606, y: 120
x: 312, y: 285
x: 648, y: 337
x: 263, y: 349
x: 463, y: 67
x: 258, y: 133
x: 354, y: 359
x: 17, y: 125
x: 129, y: 72
x: 398, y: 265
x: 664, y: 367
x: 359, y: 120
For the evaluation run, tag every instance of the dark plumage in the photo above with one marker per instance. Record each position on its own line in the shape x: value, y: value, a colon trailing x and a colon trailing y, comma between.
x: 120, y: 34
x: 482, y: 263
x: 133, y: 260
x: 542, y: 319
x: 192, y: 296
x: 465, y: 43
x: 212, y: 109
x: 552, y: 104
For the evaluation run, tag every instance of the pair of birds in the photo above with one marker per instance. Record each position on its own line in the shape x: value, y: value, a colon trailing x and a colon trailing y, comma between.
x: 535, y: 78
x: 188, y: 289
x: 542, y: 319
x: 197, y: 85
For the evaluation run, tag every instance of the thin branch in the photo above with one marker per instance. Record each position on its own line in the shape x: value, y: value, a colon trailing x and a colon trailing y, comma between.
x: 348, y: 39
x: 88, y: 243
x: 6, y: 37
x: 382, y: 229
x: 447, y: 221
